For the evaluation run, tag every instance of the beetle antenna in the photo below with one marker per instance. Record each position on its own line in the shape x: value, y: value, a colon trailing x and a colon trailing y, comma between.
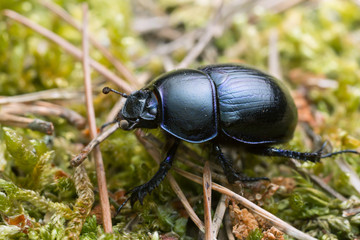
x: 106, y: 90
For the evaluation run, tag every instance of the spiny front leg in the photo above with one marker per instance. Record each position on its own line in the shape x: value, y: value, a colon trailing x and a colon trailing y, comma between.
x: 139, y: 192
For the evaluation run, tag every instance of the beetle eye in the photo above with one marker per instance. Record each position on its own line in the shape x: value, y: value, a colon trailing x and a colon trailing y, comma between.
x: 153, y: 111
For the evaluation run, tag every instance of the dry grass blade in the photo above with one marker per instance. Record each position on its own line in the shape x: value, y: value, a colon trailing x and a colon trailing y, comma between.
x: 228, y: 226
x: 179, y: 193
x: 218, y: 216
x: 51, y: 94
x: 68, y: 47
x: 45, y: 109
x: 207, y: 201
x: 100, y: 173
x: 33, y: 124
x: 78, y: 159
x: 273, y: 60
x: 115, y: 110
x: 198, y: 168
x: 354, y: 178
x: 277, y: 222
x: 106, y: 53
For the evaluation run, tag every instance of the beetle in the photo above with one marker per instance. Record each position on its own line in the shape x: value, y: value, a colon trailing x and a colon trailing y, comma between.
x: 223, y: 104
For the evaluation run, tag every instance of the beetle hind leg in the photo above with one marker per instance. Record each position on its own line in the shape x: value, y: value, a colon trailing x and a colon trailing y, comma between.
x: 304, y: 156
x: 138, y: 193
x: 230, y: 172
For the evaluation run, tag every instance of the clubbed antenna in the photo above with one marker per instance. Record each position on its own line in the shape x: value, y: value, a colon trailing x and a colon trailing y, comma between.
x: 106, y: 90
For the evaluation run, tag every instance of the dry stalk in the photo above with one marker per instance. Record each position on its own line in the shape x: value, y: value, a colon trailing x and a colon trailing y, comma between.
x: 353, y: 177
x: 207, y: 201
x: 219, y: 215
x: 273, y: 59
x: 45, y: 109
x: 51, y: 94
x: 100, y: 173
x: 78, y: 159
x: 33, y: 124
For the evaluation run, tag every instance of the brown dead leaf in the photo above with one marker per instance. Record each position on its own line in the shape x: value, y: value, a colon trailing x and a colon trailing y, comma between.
x: 20, y: 221
x: 96, y: 210
x: 305, y: 113
x: 60, y: 174
x: 260, y: 192
x: 288, y: 183
x: 273, y: 234
x: 243, y: 221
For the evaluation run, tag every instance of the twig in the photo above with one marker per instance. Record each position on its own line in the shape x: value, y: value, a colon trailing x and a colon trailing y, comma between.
x: 78, y: 159
x: 207, y: 201
x: 52, y: 94
x: 68, y: 47
x: 228, y: 228
x: 100, y: 173
x: 33, y: 124
x: 179, y: 193
x: 353, y: 177
x: 115, y: 109
x: 45, y: 109
x: 218, y: 216
x: 277, y: 222
x: 106, y: 53
x: 219, y: 177
x: 273, y: 59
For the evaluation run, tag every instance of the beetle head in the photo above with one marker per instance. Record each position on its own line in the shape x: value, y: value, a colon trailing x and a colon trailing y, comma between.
x: 140, y: 110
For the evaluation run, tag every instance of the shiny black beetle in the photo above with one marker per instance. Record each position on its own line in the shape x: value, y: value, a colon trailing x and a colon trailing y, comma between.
x: 224, y: 104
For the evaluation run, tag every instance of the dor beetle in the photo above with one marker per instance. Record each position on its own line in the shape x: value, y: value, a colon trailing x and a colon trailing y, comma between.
x: 221, y: 104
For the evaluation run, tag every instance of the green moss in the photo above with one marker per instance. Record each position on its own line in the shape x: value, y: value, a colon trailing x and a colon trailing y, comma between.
x: 255, y: 234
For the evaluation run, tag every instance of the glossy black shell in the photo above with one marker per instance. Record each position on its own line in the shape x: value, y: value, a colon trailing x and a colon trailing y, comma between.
x: 237, y: 102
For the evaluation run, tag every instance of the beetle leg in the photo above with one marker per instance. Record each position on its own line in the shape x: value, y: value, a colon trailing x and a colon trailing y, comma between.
x: 139, y: 192
x: 304, y: 156
x: 230, y: 172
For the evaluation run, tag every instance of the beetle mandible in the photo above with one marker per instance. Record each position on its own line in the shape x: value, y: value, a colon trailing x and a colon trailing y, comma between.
x: 222, y: 104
